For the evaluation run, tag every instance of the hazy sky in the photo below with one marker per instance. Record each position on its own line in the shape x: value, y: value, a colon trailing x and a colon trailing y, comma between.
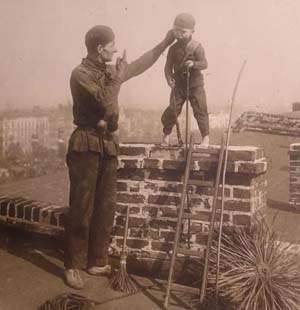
x: 42, y: 40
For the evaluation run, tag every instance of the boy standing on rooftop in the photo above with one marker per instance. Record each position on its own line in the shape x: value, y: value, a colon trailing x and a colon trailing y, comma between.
x: 186, y: 54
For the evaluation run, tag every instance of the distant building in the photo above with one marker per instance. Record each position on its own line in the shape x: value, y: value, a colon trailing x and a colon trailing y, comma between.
x: 61, y: 126
x: 20, y: 128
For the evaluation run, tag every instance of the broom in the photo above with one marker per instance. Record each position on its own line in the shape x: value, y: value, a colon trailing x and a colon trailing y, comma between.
x: 122, y: 281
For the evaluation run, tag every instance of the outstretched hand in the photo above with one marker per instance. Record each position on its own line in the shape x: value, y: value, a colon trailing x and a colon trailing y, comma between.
x: 169, y: 39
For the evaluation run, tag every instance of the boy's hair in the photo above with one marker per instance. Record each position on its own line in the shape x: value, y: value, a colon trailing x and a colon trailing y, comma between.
x: 185, y: 21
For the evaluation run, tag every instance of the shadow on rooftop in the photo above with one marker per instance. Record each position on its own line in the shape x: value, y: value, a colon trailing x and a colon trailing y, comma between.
x: 42, y: 251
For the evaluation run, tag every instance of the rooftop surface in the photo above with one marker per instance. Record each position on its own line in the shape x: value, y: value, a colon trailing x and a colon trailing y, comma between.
x: 31, y: 272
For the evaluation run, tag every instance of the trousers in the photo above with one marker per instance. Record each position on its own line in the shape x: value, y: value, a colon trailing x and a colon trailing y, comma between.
x: 197, y: 98
x: 92, y: 200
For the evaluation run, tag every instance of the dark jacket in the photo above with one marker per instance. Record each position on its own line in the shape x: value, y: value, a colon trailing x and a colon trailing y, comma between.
x: 174, y: 68
x: 95, y: 88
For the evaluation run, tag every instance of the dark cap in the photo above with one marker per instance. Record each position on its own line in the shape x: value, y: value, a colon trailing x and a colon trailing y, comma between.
x: 98, y: 35
x: 185, y: 20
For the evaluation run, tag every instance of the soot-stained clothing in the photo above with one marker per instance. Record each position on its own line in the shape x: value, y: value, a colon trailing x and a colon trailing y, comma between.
x: 175, y: 69
x: 92, y: 157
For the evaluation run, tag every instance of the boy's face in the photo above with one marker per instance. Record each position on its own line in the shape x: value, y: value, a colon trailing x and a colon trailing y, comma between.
x: 182, y: 33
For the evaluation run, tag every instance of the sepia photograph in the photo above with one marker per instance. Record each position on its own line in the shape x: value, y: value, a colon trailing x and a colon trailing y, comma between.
x: 150, y: 155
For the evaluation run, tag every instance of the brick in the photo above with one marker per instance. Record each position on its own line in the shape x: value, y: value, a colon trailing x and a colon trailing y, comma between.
x: 168, y: 235
x: 201, y: 190
x: 4, y: 206
x: 150, y: 163
x: 134, y: 188
x: 120, y: 220
x: 207, y: 164
x: 134, y: 210
x: 235, y: 205
x: 238, y: 179
x: 245, y: 155
x: 28, y: 212
x: 120, y: 208
x: 202, y: 202
x: 137, y: 243
x: 36, y: 214
x: 252, y: 168
x: 130, y: 163
x: 152, y: 234
x: 169, y: 211
x: 240, y: 219
x: 137, y: 222
x: 11, y: 209
x: 130, y: 198
x: 241, y: 193
x: 121, y: 186
x: 152, y: 211
x: 174, y: 164
x: 161, y: 223
x: 161, y: 246
x: 133, y: 150
x: 171, y: 175
x: 151, y: 186
x: 131, y: 174
x: 136, y: 232
x: 206, y: 216
x: 171, y: 188
x: 133, y: 221
x: 163, y: 200
x: 20, y: 208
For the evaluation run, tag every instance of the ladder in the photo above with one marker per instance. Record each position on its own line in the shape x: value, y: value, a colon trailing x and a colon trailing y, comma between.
x: 193, y: 155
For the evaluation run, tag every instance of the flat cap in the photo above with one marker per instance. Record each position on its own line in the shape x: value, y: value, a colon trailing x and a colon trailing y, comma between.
x: 185, y: 20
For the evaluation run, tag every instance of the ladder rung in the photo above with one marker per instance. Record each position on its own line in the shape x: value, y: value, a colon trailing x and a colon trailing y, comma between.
x: 190, y: 216
x: 188, y: 252
x: 201, y: 183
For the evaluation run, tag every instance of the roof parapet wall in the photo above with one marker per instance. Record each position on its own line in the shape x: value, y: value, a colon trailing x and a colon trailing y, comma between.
x: 268, y: 123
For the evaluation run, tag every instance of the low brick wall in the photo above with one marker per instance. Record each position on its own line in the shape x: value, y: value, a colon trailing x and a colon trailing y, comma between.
x: 276, y: 124
x: 150, y: 183
x: 295, y: 174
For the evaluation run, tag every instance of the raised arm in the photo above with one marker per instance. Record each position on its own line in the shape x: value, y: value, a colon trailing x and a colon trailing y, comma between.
x: 148, y: 59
